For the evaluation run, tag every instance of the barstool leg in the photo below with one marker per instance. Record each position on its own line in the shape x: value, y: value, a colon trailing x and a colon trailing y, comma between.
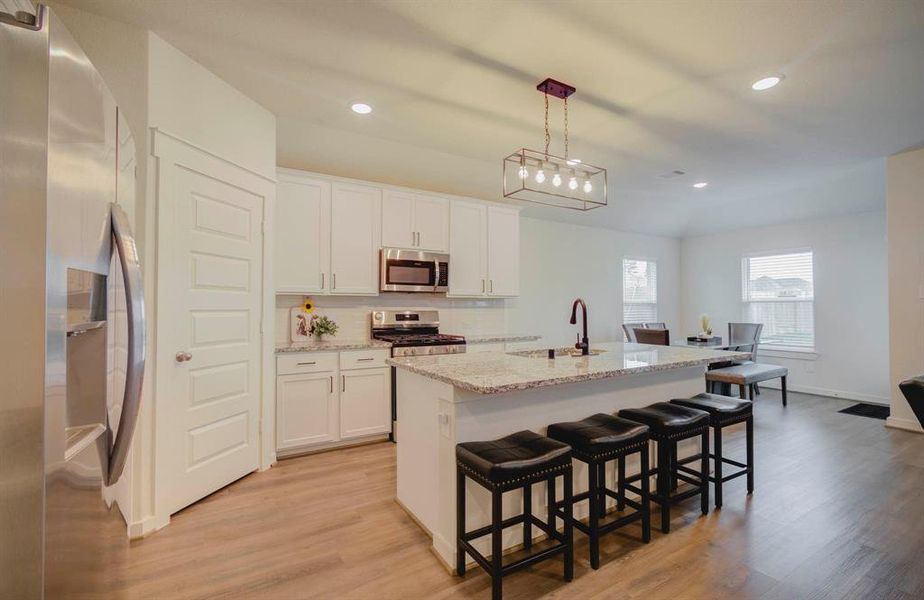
x: 601, y: 480
x: 783, y: 388
x: 717, y: 434
x: 621, y: 484
x: 497, y: 519
x: 460, y: 522
x: 704, y: 474
x: 569, y: 526
x: 644, y: 499
x: 673, y: 475
x: 593, y: 523
x: 750, y: 453
x: 527, y: 517
x: 662, y: 484
x: 550, y: 494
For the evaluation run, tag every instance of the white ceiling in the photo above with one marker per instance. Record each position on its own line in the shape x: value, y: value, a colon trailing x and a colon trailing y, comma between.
x: 661, y: 86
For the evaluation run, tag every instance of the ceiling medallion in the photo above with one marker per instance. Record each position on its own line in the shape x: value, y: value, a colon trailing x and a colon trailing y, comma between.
x: 544, y: 178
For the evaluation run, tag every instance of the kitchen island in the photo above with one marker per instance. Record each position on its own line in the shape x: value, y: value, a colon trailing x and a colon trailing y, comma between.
x: 444, y: 400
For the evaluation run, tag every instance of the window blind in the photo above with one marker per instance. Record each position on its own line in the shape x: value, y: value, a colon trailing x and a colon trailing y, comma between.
x: 639, y: 290
x: 778, y: 290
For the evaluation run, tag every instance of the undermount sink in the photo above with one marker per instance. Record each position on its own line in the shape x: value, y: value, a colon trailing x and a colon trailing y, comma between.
x: 559, y: 352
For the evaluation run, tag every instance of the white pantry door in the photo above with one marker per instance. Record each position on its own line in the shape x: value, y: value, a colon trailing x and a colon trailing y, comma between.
x: 212, y: 275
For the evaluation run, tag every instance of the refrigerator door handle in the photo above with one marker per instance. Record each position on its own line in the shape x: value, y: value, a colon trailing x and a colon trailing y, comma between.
x: 124, y: 243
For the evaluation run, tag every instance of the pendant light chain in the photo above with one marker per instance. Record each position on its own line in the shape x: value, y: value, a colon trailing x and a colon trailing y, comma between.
x: 566, y: 127
x: 548, y: 137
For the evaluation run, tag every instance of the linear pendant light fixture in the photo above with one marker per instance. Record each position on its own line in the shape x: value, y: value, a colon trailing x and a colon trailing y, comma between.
x: 544, y: 178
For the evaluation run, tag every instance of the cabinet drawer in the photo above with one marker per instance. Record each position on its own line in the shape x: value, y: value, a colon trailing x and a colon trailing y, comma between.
x: 363, y: 359
x: 308, y: 362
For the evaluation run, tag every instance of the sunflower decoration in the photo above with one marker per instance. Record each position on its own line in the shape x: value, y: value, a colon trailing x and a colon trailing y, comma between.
x: 308, y: 306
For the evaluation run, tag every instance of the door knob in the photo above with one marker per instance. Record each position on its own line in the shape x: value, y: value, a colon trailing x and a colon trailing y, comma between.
x: 183, y: 356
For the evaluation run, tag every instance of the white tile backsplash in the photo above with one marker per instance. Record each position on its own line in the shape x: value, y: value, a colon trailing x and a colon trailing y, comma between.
x: 458, y: 316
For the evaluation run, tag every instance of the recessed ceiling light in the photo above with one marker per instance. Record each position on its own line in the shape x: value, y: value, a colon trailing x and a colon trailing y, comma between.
x: 361, y: 108
x: 766, y: 83
x: 700, y: 185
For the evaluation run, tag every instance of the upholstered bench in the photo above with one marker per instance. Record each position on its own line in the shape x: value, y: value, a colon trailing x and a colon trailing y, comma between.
x: 746, y: 375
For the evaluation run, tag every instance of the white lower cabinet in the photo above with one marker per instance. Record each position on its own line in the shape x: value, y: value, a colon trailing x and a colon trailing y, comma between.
x: 365, y: 402
x: 327, y: 400
x: 306, y: 410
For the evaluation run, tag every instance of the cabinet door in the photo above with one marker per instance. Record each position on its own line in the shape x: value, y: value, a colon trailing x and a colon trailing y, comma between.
x: 355, y: 239
x: 306, y: 410
x: 503, y: 251
x: 468, y: 259
x: 302, y: 229
x: 398, y: 220
x: 431, y: 223
x: 365, y: 402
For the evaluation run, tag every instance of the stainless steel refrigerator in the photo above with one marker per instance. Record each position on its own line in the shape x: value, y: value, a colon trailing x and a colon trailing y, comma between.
x: 71, y: 313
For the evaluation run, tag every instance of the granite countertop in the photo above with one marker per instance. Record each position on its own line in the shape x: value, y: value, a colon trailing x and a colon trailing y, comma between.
x: 499, y: 372
x: 330, y: 345
x: 488, y: 338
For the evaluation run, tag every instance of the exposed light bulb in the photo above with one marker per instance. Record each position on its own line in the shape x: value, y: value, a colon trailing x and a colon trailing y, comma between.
x: 540, y: 175
x: 572, y: 183
x: 556, y: 180
x: 523, y: 172
x: 588, y: 187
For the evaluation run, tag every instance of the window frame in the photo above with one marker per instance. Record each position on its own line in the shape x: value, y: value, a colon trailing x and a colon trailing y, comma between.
x: 622, y: 275
x: 745, y: 273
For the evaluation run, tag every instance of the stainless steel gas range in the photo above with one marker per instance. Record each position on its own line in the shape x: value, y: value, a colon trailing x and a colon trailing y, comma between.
x: 412, y: 333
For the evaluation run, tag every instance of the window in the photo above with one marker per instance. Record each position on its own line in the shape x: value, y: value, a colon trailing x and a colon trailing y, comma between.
x: 639, y: 290
x: 778, y: 290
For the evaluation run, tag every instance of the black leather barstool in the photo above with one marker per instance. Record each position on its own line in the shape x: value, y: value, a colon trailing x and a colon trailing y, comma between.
x: 723, y: 411
x: 669, y: 424
x: 516, y: 461
x: 597, y: 440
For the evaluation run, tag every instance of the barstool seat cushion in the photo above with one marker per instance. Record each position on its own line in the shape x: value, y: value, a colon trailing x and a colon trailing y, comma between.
x: 600, y: 434
x: 519, y: 455
x: 666, y: 419
x: 721, y: 409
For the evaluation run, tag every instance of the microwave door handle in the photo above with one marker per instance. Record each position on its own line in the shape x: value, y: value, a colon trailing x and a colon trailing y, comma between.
x: 436, y: 280
x: 125, y: 245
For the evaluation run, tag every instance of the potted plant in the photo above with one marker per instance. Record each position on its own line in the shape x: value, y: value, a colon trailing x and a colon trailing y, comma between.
x: 320, y: 326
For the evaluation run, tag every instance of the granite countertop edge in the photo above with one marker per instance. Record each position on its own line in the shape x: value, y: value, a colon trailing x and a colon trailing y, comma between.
x: 331, y: 346
x: 538, y: 383
x: 486, y: 338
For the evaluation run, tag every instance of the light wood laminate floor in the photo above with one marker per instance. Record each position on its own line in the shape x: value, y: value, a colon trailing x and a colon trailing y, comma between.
x: 838, y: 513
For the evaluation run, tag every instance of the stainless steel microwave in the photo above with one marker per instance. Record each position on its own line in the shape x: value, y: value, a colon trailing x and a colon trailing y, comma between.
x: 413, y: 271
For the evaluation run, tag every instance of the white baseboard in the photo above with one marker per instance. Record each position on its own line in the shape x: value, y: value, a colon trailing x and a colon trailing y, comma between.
x: 817, y: 391
x: 904, y: 424
x: 144, y: 527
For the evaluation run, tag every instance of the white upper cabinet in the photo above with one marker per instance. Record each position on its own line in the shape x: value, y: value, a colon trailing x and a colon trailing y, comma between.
x: 302, y: 235
x: 503, y: 251
x: 468, y: 264
x: 431, y: 222
x: 398, y: 220
x: 416, y: 221
x: 355, y: 239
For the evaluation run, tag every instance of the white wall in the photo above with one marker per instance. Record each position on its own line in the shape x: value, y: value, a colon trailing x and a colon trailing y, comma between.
x: 905, y: 215
x: 851, y: 323
x: 560, y: 262
x: 190, y: 102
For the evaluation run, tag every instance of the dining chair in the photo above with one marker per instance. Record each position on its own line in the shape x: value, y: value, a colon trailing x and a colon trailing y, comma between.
x: 656, y: 337
x: 745, y: 337
x: 629, y: 329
